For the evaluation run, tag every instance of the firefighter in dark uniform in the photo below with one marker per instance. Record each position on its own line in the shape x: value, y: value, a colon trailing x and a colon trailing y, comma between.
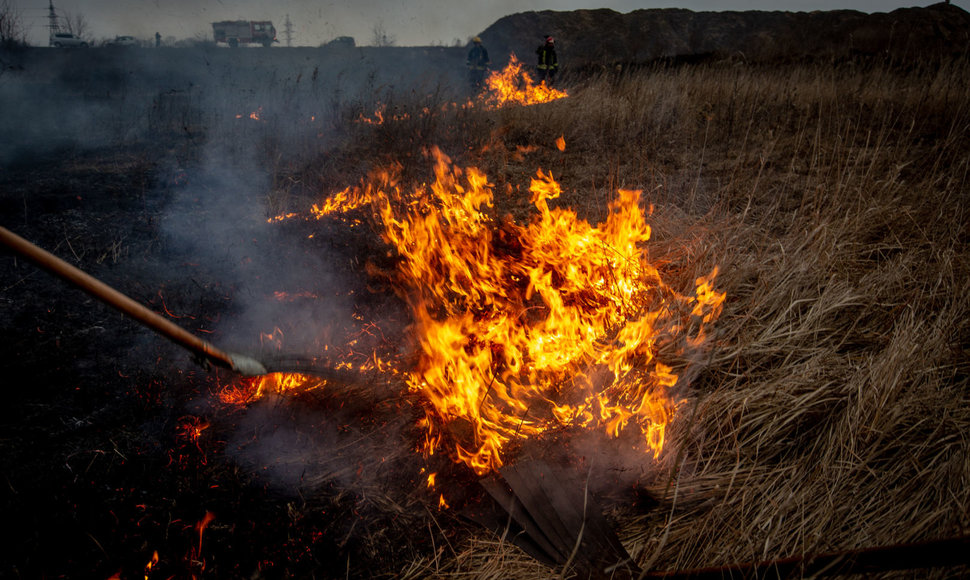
x: 548, y: 63
x: 477, y: 63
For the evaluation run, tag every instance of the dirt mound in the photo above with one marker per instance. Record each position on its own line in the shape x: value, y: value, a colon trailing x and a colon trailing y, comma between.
x: 596, y: 37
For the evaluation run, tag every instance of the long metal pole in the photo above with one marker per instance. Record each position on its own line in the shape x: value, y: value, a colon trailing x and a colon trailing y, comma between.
x: 126, y: 305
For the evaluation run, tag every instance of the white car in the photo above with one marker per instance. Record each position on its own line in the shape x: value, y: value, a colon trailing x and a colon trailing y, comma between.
x: 66, y: 39
x: 123, y: 41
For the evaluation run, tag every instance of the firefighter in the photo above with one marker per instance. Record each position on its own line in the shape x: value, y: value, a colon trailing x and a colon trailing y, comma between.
x: 477, y: 63
x: 548, y: 64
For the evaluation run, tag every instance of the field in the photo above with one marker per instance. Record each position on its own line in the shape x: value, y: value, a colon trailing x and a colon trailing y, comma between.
x: 827, y: 411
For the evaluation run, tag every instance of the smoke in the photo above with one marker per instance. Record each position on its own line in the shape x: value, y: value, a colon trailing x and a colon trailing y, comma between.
x: 54, y: 99
x: 221, y: 129
x: 296, y: 445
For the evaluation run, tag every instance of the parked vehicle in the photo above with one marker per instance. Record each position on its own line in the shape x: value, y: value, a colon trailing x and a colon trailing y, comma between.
x: 67, y: 40
x: 123, y: 41
x: 236, y: 32
x: 342, y: 42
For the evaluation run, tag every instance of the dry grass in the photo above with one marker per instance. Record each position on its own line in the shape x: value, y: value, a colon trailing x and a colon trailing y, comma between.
x: 834, y: 410
x: 830, y: 413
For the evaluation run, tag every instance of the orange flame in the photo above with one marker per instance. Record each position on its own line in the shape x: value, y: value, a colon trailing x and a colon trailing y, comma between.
x: 255, y: 115
x: 514, y: 86
x: 561, y: 143
x: 522, y: 328
x: 202, y: 524
x: 151, y: 564
x: 249, y: 389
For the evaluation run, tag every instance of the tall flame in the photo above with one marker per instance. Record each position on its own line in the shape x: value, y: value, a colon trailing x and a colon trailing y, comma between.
x: 514, y: 86
x: 523, y: 328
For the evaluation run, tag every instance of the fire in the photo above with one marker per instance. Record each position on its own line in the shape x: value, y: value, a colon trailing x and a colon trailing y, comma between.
x: 343, y: 201
x: 249, y: 389
x: 255, y: 115
x: 281, y: 217
x: 151, y: 564
x: 201, y: 525
x: 523, y: 328
x: 514, y: 86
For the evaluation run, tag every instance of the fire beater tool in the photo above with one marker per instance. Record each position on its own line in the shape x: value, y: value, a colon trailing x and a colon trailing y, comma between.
x: 239, y: 363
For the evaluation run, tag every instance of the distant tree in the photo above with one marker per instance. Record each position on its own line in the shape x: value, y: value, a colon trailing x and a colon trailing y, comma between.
x: 12, y: 31
x: 380, y: 36
x: 76, y: 24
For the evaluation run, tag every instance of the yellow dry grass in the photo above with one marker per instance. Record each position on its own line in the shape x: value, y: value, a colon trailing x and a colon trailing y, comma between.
x: 834, y: 410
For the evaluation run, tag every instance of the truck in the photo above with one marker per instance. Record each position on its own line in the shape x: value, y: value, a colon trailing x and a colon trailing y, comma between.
x: 236, y: 32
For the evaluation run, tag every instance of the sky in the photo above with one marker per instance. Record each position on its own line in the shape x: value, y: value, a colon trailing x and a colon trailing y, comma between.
x: 406, y: 22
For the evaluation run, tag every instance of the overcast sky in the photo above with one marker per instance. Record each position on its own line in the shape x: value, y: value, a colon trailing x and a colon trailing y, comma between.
x: 408, y: 22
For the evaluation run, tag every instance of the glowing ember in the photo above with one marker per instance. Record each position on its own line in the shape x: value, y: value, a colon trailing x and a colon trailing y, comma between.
x: 524, y: 328
x: 381, y: 115
x: 190, y: 429
x: 514, y: 86
x: 378, y: 118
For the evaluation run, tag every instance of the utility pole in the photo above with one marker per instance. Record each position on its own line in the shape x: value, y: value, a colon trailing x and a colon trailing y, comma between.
x: 288, y: 31
x: 52, y: 20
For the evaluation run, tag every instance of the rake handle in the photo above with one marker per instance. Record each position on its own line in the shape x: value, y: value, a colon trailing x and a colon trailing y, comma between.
x: 115, y: 299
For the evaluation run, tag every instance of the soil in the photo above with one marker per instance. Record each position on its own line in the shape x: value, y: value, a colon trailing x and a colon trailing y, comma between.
x: 114, y: 444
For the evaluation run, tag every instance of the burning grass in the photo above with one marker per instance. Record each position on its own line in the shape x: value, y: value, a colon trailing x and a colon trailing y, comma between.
x: 829, y: 413
x: 832, y: 410
x: 521, y: 327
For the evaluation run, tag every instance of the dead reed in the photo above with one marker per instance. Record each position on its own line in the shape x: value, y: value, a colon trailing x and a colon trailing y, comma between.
x: 833, y: 411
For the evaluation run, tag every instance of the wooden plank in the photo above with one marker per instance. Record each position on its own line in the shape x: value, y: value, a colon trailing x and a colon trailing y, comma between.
x: 560, y: 503
x: 529, y: 488
x: 531, y: 532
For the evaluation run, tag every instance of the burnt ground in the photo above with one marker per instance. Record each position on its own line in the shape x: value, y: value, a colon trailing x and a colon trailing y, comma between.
x: 139, y: 168
x: 155, y: 172
x: 113, y: 444
x: 116, y: 447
